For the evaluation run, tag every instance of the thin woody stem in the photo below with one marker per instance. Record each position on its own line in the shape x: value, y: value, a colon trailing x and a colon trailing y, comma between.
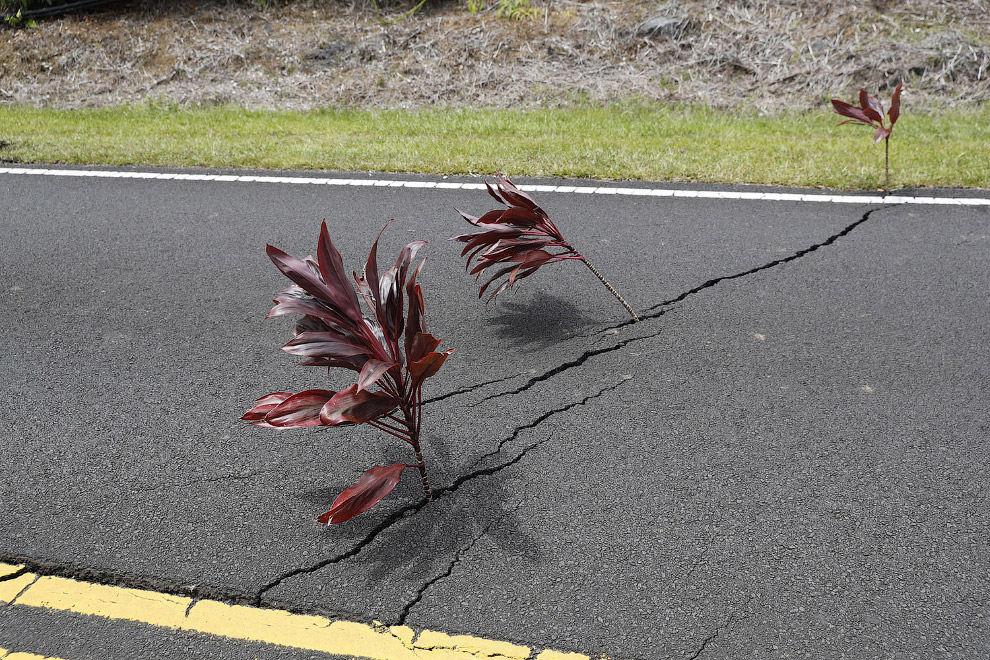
x: 886, y: 144
x: 611, y: 289
x: 419, y: 453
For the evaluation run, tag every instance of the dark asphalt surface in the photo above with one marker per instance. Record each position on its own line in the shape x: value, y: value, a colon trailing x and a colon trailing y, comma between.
x: 789, y: 463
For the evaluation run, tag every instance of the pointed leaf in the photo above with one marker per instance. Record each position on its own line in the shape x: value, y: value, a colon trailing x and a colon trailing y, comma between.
x: 406, y: 257
x: 515, y: 197
x: 299, y: 272
x: 356, y: 406
x: 324, y: 344
x: 373, y: 485
x: 427, y: 366
x: 301, y: 409
x: 495, y: 195
x: 263, y: 406
x: 895, y: 107
x: 852, y: 111
x: 332, y: 268
x: 372, y: 371
x: 422, y: 344
x: 871, y: 106
x: 414, y: 316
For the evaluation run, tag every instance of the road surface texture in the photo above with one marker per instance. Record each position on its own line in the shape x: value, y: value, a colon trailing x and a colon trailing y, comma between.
x: 787, y: 457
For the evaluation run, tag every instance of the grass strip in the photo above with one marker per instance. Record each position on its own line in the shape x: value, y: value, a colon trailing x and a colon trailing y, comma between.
x: 625, y: 141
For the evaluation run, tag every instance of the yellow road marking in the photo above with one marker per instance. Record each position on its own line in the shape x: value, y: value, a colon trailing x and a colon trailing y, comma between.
x: 21, y: 655
x: 313, y: 633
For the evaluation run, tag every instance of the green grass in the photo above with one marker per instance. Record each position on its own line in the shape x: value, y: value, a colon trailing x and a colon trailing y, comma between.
x: 631, y: 141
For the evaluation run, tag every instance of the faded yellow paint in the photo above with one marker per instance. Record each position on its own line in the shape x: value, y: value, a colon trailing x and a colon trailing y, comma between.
x: 10, y: 588
x: 313, y: 633
x: 21, y: 655
x: 472, y: 646
x: 59, y: 593
x: 7, y: 569
x: 557, y: 655
x: 299, y: 631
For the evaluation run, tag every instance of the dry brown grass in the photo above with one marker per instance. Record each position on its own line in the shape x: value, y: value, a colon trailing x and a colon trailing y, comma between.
x: 790, y: 54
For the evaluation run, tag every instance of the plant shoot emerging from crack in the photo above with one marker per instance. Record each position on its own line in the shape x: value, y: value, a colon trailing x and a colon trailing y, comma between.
x: 870, y: 113
x: 521, y: 239
x: 389, y: 349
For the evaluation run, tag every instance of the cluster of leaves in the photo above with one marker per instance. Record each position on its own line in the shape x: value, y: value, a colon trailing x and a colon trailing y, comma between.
x: 871, y: 113
x: 389, y: 349
x: 520, y: 238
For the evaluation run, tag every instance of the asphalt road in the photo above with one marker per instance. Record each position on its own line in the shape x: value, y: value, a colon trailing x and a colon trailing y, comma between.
x: 786, y: 459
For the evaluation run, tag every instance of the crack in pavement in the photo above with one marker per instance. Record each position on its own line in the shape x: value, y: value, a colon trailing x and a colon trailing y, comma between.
x: 413, y: 508
x: 118, y: 579
x: 730, y: 621
x: 542, y: 418
x: 16, y: 574
x: 470, y: 388
x: 777, y: 262
x: 13, y: 601
x: 661, y: 310
x: 401, y: 621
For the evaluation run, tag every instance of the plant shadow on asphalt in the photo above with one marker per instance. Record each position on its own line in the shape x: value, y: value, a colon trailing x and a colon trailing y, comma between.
x: 449, y: 526
x: 540, y: 321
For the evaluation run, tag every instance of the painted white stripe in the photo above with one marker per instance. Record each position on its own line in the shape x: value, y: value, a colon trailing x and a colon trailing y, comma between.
x: 453, y: 185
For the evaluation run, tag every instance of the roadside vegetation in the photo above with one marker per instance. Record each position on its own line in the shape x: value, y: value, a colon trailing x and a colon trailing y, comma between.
x: 634, y: 140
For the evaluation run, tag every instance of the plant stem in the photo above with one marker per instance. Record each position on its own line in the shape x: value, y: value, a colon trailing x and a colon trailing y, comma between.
x: 611, y: 289
x: 422, y: 472
x: 886, y: 148
x: 415, y: 443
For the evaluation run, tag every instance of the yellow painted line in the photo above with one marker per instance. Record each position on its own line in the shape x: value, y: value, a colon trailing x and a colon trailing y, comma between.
x: 21, y: 655
x: 312, y: 633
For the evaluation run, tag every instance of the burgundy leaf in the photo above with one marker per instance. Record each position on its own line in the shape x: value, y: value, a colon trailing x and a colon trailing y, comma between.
x: 427, y: 366
x: 373, y: 485
x: 301, y: 409
x: 372, y: 371
x: 895, y: 107
x: 515, y: 197
x: 324, y: 344
x: 262, y: 406
x: 414, y: 319
x: 871, y: 104
x: 421, y: 344
x: 880, y: 134
x: 356, y: 406
x: 332, y: 268
x: 847, y: 110
x: 299, y: 272
x: 371, y: 277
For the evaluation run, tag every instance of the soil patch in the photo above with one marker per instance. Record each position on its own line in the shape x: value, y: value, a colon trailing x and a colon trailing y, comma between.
x: 307, y: 54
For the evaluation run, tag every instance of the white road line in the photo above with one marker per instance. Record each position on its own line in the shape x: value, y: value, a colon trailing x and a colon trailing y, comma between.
x: 450, y: 185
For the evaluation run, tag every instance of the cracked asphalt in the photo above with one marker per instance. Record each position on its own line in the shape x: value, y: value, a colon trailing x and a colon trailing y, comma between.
x: 786, y: 458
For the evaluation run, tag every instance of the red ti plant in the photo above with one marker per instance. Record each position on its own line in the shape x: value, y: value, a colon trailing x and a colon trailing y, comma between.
x: 389, y: 349
x: 520, y: 239
x: 870, y: 113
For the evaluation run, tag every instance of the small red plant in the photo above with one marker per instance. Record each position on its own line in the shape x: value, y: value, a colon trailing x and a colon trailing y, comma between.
x: 521, y: 239
x: 870, y: 113
x: 389, y: 349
